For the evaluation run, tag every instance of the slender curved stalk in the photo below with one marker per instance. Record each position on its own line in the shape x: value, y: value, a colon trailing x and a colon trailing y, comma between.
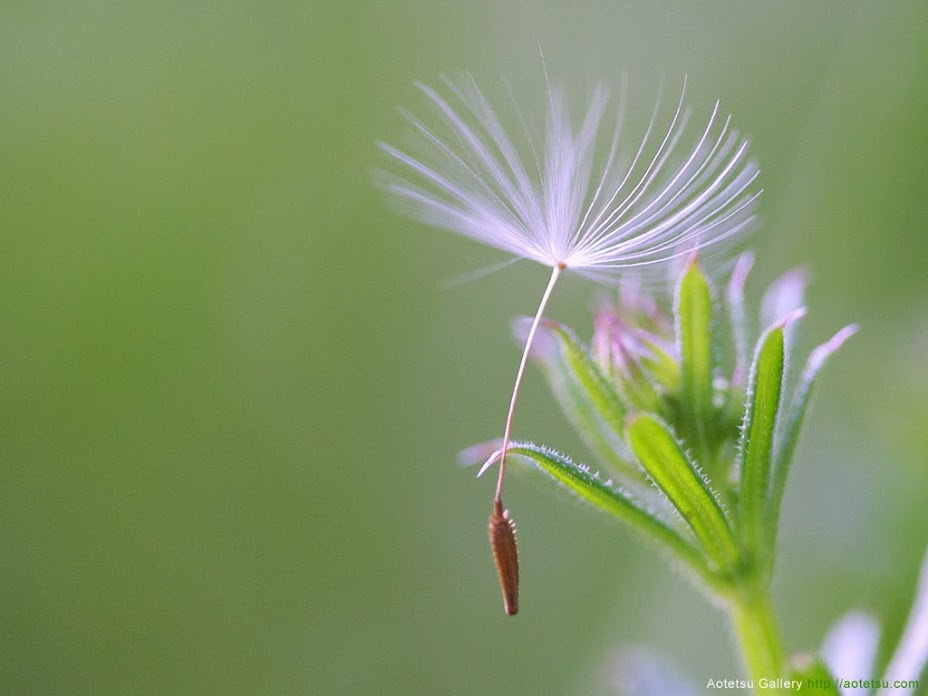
x: 507, y: 431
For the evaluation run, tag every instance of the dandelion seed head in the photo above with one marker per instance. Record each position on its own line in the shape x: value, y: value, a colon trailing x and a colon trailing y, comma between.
x: 563, y: 200
x: 578, y: 194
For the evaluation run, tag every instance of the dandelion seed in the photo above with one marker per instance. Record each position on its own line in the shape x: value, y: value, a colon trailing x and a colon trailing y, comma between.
x: 502, y: 531
x: 563, y: 205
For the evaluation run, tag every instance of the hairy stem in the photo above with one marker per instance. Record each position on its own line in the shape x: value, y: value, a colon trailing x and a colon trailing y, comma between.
x: 758, y: 638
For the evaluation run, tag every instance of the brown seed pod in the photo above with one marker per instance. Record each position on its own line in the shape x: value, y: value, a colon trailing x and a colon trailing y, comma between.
x: 502, y: 531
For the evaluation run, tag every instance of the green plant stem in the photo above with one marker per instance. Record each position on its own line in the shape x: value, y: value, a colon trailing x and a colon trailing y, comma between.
x: 758, y: 638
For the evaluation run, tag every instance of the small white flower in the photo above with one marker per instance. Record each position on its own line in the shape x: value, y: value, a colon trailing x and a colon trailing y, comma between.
x: 850, y: 649
x: 566, y: 204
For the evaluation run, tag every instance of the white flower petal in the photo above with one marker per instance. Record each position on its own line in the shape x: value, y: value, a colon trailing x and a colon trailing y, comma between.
x: 640, y: 672
x: 911, y: 655
x: 850, y: 648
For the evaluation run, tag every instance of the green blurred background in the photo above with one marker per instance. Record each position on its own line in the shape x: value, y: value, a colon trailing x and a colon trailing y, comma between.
x: 233, y: 383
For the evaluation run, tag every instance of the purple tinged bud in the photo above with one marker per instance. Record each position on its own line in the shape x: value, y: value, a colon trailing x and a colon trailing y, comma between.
x: 544, y: 342
x: 785, y: 294
x: 820, y: 354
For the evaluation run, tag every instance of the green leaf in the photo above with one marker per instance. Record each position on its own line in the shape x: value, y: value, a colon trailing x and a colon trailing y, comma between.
x: 789, y: 432
x: 658, y: 362
x: 665, y: 461
x: 814, y: 676
x: 637, y: 388
x: 694, y: 318
x: 612, y: 500
x: 590, y: 403
x: 783, y: 297
x: 737, y: 319
x: 760, y: 420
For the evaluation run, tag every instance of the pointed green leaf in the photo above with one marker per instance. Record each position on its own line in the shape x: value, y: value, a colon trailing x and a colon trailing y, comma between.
x: 737, y: 319
x: 813, y: 675
x: 694, y: 319
x: 784, y: 296
x: 613, y: 500
x: 658, y: 362
x: 763, y: 404
x: 626, y: 357
x: 588, y: 400
x: 637, y: 387
x: 665, y: 461
x: 782, y: 299
x: 789, y: 432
